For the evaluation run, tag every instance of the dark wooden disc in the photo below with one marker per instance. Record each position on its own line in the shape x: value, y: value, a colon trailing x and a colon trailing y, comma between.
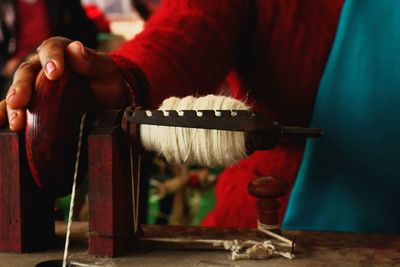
x: 52, y: 131
x: 268, y: 187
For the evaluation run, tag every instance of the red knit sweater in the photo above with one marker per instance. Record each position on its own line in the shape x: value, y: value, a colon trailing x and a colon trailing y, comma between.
x: 273, y: 53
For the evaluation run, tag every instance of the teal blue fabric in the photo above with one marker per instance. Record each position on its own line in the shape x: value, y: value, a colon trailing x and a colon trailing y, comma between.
x: 349, y: 179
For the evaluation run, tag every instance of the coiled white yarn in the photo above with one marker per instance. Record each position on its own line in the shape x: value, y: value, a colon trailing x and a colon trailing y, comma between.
x: 196, y: 146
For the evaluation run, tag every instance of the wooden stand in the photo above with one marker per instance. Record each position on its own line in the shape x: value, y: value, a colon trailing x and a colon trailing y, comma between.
x: 26, y: 213
x: 110, y: 189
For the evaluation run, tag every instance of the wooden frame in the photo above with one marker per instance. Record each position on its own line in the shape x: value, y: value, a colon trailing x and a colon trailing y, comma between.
x: 110, y: 195
x: 26, y: 213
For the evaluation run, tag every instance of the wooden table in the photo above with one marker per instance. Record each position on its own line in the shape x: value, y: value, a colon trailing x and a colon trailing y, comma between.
x: 312, y: 249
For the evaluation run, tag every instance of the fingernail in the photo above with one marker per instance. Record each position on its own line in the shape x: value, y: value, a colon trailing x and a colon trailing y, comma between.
x: 83, y: 50
x: 50, y: 66
x: 12, y: 116
x: 11, y: 93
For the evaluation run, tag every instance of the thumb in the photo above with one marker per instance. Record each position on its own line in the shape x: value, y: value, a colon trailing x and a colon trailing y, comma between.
x: 101, y: 71
x: 88, y: 62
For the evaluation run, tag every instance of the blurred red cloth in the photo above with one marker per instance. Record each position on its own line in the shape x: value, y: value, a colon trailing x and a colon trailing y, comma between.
x: 33, y: 25
x: 98, y: 17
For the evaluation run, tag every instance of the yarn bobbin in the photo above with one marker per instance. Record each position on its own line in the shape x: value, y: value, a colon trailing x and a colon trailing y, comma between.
x: 210, y: 130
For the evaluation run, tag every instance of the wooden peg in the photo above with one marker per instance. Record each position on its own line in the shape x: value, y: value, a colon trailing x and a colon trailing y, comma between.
x: 268, y: 189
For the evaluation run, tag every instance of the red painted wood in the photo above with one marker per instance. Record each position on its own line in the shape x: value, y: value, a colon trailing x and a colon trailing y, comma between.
x: 52, y: 130
x: 268, y: 216
x: 26, y: 214
x: 107, y: 246
x: 110, y: 198
x: 10, y: 194
x: 268, y: 187
x: 268, y: 204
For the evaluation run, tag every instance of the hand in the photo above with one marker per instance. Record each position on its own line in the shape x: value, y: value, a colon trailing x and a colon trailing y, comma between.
x: 53, y: 55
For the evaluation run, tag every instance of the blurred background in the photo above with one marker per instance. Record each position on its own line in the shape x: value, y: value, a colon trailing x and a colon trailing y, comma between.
x: 125, y: 17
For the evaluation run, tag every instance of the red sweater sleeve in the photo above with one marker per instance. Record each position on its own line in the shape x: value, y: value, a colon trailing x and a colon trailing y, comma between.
x: 187, y: 47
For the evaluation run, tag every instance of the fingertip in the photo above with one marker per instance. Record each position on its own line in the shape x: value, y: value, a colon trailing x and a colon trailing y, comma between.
x: 53, y: 69
x: 10, y: 95
x: 51, y: 55
x: 19, y: 95
x: 78, y: 49
x: 50, y: 67
x: 78, y: 56
x: 16, y: 120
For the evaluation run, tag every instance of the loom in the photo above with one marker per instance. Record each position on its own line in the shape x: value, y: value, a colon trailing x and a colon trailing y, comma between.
x: 38, y: 164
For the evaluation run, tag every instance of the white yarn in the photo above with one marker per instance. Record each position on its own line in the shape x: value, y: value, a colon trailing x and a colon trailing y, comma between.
x: 196, y: 146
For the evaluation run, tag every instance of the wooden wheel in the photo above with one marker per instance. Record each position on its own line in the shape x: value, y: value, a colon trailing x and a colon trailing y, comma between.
x: 52, y: 131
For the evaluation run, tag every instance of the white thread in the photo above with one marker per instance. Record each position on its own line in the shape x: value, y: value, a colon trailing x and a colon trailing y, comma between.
x: 254, y: 250
x: 71, y: 205
x: 240, y: 249
x: 196, y: 146
x: 261, y: 250
x: 268, y: 226
x: 264, y: 228
x: 136, y: 225
x: 135, y: 186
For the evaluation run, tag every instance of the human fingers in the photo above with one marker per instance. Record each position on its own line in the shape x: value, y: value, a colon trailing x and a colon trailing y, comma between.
x: 102, y: 73
x: 51, y: 55
x: 16, y: 119
x: 20, y: 91
x: 88, y: 62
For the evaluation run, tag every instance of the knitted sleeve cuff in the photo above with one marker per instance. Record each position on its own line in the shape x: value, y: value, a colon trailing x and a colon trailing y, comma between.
x: 134, y: 79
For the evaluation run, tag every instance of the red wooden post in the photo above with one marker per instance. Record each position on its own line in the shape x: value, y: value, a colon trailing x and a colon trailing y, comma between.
x: 268, y: 189
x: 26, y: 213
x: 110, y: 197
